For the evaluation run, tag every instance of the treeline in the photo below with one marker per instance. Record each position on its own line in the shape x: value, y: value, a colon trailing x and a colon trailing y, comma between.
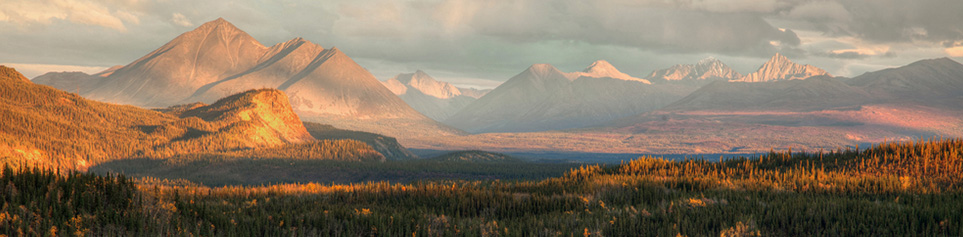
x: 892, y: 189
x: 219, y: 171
x: 46, y: 203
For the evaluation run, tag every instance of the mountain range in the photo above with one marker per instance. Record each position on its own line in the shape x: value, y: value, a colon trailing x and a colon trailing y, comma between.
x: 706, y: 70
x: 435, y: 99
x: 218, y: 59
x: 686, y: 108
x: 545, y: 98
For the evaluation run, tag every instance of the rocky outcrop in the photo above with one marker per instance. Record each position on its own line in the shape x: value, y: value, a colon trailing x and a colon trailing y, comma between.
x: 260, y: 117
x: 705, y: 70
x: 780, y: 68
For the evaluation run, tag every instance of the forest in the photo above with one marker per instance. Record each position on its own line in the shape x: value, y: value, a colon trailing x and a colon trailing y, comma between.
x: 890, y: 189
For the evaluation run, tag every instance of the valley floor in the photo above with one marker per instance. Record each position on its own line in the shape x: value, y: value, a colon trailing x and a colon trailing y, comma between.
x: 892, y: 189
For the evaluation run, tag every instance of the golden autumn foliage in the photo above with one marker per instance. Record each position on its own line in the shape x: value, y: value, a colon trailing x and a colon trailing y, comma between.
x: 49, y: 128
x: 891, y: 189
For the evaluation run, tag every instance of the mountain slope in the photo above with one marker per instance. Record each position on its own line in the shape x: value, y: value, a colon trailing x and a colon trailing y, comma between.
x: 781, y: 68
x: 815, y: 93
x: 46, y: 127
x: 387, y: 146
x: 929, y: 79
x: 435, y: 99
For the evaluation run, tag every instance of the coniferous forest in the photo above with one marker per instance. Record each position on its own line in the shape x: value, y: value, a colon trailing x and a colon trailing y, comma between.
x: 890, y: 189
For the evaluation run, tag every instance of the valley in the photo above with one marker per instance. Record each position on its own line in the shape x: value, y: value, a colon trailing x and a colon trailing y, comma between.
x: 497, y: 129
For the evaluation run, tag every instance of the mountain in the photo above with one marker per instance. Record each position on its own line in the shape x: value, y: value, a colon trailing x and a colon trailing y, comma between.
x: 506, y: 105
x: 544, y: 98
x: 781, y: 68
x: 815, y: 93
x: 706, y: 70
x: 604, y: 69
x: 930, y: 79
x: 921, y: 99
x: 217, y: 59
x: 168, y: 75
x: 77, y: 82
x: 50, y: 128
x: 435, y: 99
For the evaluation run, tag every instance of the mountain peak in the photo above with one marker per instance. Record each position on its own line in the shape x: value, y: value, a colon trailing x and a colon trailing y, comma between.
x: 8, y: 73
x: 541, y: 67
x: 708, y: 61
x: 936, y: 62
x: 422, y: 75
x: 421, y: 81
x: 264, y: 115
x: 217, y: 24
x: 602, y: 68
x: 779, y: 68
x: 779, y: 59
x: 707, y: 68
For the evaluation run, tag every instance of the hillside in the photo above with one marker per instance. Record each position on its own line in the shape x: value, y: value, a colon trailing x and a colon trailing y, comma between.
x: 51, y: 128
x: 924, y: 80
x: 387, y: 146
x: 475, y: 156
x: 814, y: 93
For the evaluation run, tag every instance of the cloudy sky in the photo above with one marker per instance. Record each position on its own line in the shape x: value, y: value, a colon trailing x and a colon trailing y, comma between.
x: 483, y: 42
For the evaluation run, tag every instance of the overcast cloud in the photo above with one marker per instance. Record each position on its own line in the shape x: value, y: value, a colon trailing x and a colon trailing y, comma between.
x: 480, y: 43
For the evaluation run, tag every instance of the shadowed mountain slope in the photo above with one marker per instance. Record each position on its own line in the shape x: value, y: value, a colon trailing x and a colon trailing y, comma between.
x: 931, y: 79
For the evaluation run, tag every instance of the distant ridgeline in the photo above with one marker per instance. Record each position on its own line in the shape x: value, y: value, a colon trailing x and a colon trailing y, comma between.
x: 46, y: 127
